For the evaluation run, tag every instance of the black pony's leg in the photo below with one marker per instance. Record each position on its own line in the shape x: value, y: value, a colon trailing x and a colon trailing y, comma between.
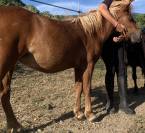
x: 109, y: 82
x: 143, y: 59
x: 142, y: 64
x: 122, y: 82
x: 134, y: 79
x: 143, y: 72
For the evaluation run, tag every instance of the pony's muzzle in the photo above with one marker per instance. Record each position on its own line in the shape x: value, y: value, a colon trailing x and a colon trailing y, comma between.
x: 136, y: 37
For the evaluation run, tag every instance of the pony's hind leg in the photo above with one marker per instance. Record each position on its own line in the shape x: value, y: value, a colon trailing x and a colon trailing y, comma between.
x: 12, y: 123
x: 78, y: 89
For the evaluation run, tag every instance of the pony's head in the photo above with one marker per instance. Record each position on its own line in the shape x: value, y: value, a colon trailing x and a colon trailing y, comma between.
x: 121, y: 10
x: 93, y: 24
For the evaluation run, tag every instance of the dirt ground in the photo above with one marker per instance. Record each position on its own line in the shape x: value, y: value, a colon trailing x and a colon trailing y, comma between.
x: 43, y: 103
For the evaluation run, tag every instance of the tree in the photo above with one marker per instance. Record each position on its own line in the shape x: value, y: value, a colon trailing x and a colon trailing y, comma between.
x: 32, y: 8
x: 12, y: 2
x: 46, y: 13
x: 140, y: 19
x: 19, y: 3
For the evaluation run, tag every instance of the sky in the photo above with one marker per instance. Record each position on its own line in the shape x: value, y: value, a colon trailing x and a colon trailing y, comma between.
x: 85, y: 5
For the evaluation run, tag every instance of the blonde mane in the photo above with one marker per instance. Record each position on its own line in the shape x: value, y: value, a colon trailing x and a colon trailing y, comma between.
x: 117, y: 5
x: 92, y: 22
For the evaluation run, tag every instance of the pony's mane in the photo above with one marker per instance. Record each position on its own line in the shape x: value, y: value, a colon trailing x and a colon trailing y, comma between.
x: 117, y: 5
x: 92, y: 22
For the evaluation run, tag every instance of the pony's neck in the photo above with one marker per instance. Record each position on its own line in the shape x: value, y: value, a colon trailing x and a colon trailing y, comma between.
x: 106, y: 30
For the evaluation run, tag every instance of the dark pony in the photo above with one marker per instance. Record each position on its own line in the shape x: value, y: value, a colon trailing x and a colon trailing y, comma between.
x: 136, y: 58
x: 116, y: 58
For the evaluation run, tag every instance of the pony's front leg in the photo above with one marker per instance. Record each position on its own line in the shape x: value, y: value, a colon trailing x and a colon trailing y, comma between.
x: 122, y: 83
x: 87, y: 77
x: 78, y: 89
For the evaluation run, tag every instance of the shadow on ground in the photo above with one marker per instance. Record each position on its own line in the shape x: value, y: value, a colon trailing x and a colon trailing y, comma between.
x: 134, y: 99
x: 99, y: 96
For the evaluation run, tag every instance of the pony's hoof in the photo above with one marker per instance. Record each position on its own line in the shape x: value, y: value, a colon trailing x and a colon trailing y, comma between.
x: 91, y: 117
x: 80, y: 115
x: 111, y: 110
x: 127, y: 110
x: 14, y: 130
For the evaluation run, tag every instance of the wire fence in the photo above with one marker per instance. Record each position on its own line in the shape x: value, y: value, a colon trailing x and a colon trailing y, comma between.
x: 60, y: 7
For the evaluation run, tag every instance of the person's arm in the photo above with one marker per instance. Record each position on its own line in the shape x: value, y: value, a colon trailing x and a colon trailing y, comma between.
x: 106, y: 14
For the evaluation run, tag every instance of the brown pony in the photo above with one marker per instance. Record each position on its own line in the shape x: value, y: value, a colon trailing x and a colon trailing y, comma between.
x: 51, y: 46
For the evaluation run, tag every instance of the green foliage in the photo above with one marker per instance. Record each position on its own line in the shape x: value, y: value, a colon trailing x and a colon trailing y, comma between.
x: 19, y: 3
x: 140, y: 19
x: 58, y: 17
x: 46, y: 13
x: 31, y: 8
x: 12, y: 2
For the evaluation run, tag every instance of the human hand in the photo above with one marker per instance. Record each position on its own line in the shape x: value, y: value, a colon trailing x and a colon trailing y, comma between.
x: 121, y: 28
x: 119, y: 38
